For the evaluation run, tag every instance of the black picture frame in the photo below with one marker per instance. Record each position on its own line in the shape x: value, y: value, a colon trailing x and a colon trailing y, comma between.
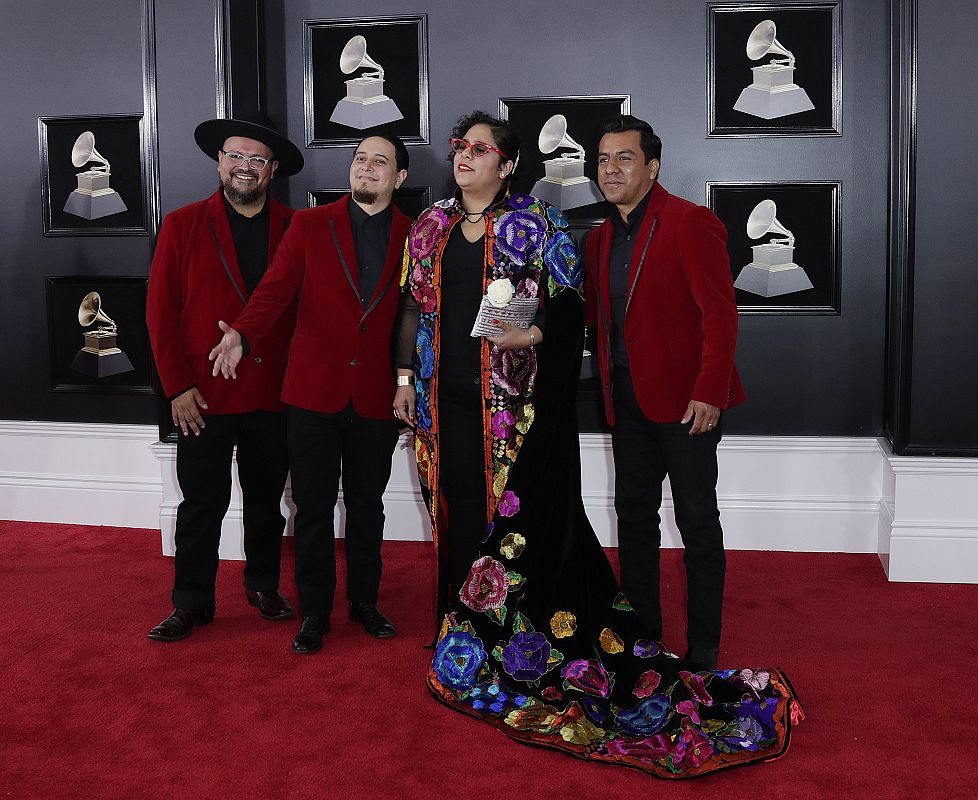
x: 124, y: 301
x: 811, y: 31
x: 585, y: 114
x: 411, y: 200
x: 120, y: 139
x: 811, y: 211
x: 397, y: 43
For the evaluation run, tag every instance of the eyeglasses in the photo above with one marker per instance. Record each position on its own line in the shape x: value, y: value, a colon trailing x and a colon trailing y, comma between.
x: 478, y: 148
x: 237, y: 159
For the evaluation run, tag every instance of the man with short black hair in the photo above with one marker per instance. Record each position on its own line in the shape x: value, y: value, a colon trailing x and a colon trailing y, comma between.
x: 209, y: 258
x: 661, y: 296
x: 343, y: 261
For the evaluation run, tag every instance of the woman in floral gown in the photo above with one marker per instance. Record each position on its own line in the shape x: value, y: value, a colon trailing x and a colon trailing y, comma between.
x: 536, y: 638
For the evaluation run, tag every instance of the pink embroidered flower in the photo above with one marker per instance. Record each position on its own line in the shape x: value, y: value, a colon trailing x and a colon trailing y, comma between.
x: 693, y: 748
x: 588, y: 675
x: 697, y: 687
x: 509, y: 504
x: 552, y: 693
x: 425, y: 297
x: 647, y: 683
x: 486, y: 587
x: 514, y: 370
x: 527, y: 288
x: 426, y: 233
x: 503, y: 423
x: 651, y: 748
x: 756, y: 680
x: 688, y: 707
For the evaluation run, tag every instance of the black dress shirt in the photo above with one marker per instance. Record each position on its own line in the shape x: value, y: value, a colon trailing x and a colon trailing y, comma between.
x: 371, y: 236
x: 622, y: 246
x: 250, y: 235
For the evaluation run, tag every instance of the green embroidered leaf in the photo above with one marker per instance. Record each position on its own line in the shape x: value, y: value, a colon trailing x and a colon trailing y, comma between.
x: 722, y: 746
x: 497, y: 652
x: 621, y: 603
x: 711, y: 725
x: 555, y: 658
x: 521, y: 624
x: 497, y: 615
x: 515, y: 580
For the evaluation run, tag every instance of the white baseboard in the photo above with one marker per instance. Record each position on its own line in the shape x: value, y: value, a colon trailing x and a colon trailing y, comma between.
x: 803, y: 494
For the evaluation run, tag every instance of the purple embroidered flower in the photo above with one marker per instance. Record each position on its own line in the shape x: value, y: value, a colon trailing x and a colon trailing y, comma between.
x: 519, y: 236
x: 513, y: 370
x: 761, y: 711
x: 563, y: 261
x: 596, y: 710
x: 486, y: 586
x: 518, y: 201
x: 651, y: 748
x: 587, y: 675
x: 527, y: 288
x: 458, y: 659
x: 426, y: 233
x: 646, y: 648
x: 503, y: 423
x: 509, y: 504
x: 526, y: 655
x: 747, y: 736
x: 647, y: 717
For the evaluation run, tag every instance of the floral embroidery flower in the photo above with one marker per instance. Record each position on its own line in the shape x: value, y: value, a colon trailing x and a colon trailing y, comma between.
x: 746, y: 734
x: 426, y: 233
x: 517, y: 201
x: 588, y: 675
x: 526, y: 655
x: 519, y: 236
x: 422, y: 454
x: 552, y: 693
x: 693, y: 747
x: 512, y: 545
x: 647, y: 683
x: 500, y: 478
x: 563, y: 261
x: 582, y: 731
x: 424, y: 358
x: 611, y: 642
x: 563, y: 624
x: 756, y: 680
x: 651, y: 748
x: 514, y: 370
x: 503, y: 423
x: 697, y: 687
x: 762, y: 711
x: 458, y: 659
x: 688, y: 707
x: 509, y: 504
x: 421, y: 405
x: 424, y: 295
x: 557, y: 217
x: 646, y: 648
x: 527, y: 288
x: 647, y: 717
x: 486, y: 586
x: 537, y: 718
x: 525, y: 415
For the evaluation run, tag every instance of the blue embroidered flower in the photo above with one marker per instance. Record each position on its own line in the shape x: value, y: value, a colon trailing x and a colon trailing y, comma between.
x: 519, y: 236
x: 647, y: 717
x: 556, y: 216
x: 596, y: 710
x: 422, y: 406
x: 458, y: 659
x: 424, y: 358
x: 563, y: 261
x: 526, y: 655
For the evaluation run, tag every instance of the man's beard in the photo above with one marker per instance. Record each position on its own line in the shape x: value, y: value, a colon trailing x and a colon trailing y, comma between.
x: 365, y: 196
x: 242, y: 197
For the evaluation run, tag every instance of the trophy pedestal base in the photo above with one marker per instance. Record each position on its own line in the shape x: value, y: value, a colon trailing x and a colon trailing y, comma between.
x: 767, y: 282
x: 95, y: 205
x: 566, y: 195
x: 771, y: 103
x: 366, y: 113
x: 101, y: 364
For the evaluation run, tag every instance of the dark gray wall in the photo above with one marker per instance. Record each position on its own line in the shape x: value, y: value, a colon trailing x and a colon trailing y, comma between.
x: 804, y: 375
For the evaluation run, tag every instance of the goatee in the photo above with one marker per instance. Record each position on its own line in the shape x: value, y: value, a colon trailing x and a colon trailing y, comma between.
x: 365, y: 197
x: 242, y: 197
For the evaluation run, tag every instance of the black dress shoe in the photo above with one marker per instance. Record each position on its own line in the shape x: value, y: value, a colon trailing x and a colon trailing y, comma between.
x: 270, y: 605
x: 180, y: 624
x: 373, y: 621
x: 309, y: 639
x: 701, y: 658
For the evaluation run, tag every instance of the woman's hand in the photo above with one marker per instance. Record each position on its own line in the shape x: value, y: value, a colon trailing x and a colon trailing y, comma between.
x: 512, y: 338
x: 404, y: 399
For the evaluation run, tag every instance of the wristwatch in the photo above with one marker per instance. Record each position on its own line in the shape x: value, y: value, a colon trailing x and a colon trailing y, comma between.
x: 405, y: 380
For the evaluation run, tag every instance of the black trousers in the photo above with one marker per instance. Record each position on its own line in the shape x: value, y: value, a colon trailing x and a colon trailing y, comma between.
x: 645, y: 453
x: 322, y: 448
x: 204, y: 474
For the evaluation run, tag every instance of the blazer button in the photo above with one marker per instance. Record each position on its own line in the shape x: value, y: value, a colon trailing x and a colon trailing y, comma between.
x: 363, y: 327
x: 353, y: 363
x: 258, y: 359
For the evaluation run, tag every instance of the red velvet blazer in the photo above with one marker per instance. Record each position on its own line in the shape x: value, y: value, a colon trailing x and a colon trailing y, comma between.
x: 341, y: 351
x: 190, y: 290
x: 681, y: 315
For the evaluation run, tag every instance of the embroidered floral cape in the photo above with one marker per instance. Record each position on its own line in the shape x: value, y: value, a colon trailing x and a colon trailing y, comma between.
x: 540, y: 643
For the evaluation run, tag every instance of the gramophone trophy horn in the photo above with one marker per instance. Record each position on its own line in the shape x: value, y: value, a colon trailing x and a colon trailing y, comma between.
x: 763, y: 40
x: 772, y: 270
x: 553, y: 135
x: 101, y: 356
x: 93, y: 198
x: 354, y: 56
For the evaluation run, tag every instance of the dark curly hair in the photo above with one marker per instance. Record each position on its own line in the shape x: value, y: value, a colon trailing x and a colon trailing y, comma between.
x: 503, y: 133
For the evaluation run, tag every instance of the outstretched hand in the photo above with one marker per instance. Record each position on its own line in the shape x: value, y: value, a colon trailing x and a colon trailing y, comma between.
x: 227, y: 353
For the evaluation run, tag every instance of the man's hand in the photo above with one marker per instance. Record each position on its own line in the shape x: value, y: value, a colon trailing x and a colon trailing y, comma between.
x: 404, y: 400
x: 185, y: 411
x: 704, y: 417
x: 512, y: 338
x: 228, y: 352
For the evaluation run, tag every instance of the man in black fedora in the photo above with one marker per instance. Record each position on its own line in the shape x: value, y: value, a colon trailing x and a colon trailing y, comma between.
x: 209, y: 258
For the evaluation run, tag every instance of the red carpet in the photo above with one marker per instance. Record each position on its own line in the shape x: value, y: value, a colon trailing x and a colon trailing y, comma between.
x: 92, y: 709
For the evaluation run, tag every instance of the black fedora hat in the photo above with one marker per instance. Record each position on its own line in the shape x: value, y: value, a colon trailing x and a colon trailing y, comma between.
x: 211, y: 135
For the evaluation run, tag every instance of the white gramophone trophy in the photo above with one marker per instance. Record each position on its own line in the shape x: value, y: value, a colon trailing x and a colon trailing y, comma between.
x: 93, y: 198
x: 771, y: 272
x: 773, y: 92
x: 564, y: 185
x: 365, y: 104
x: 100, y: 357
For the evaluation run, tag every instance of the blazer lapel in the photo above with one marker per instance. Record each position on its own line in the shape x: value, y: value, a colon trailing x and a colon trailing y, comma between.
x: 340, y: 240
x: 220, y: 231
x: 644, y: 239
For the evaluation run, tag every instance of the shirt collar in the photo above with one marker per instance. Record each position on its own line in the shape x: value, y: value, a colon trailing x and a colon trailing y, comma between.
x: 233, y: 213
x: 360, y: 217
x: 636, y: 216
